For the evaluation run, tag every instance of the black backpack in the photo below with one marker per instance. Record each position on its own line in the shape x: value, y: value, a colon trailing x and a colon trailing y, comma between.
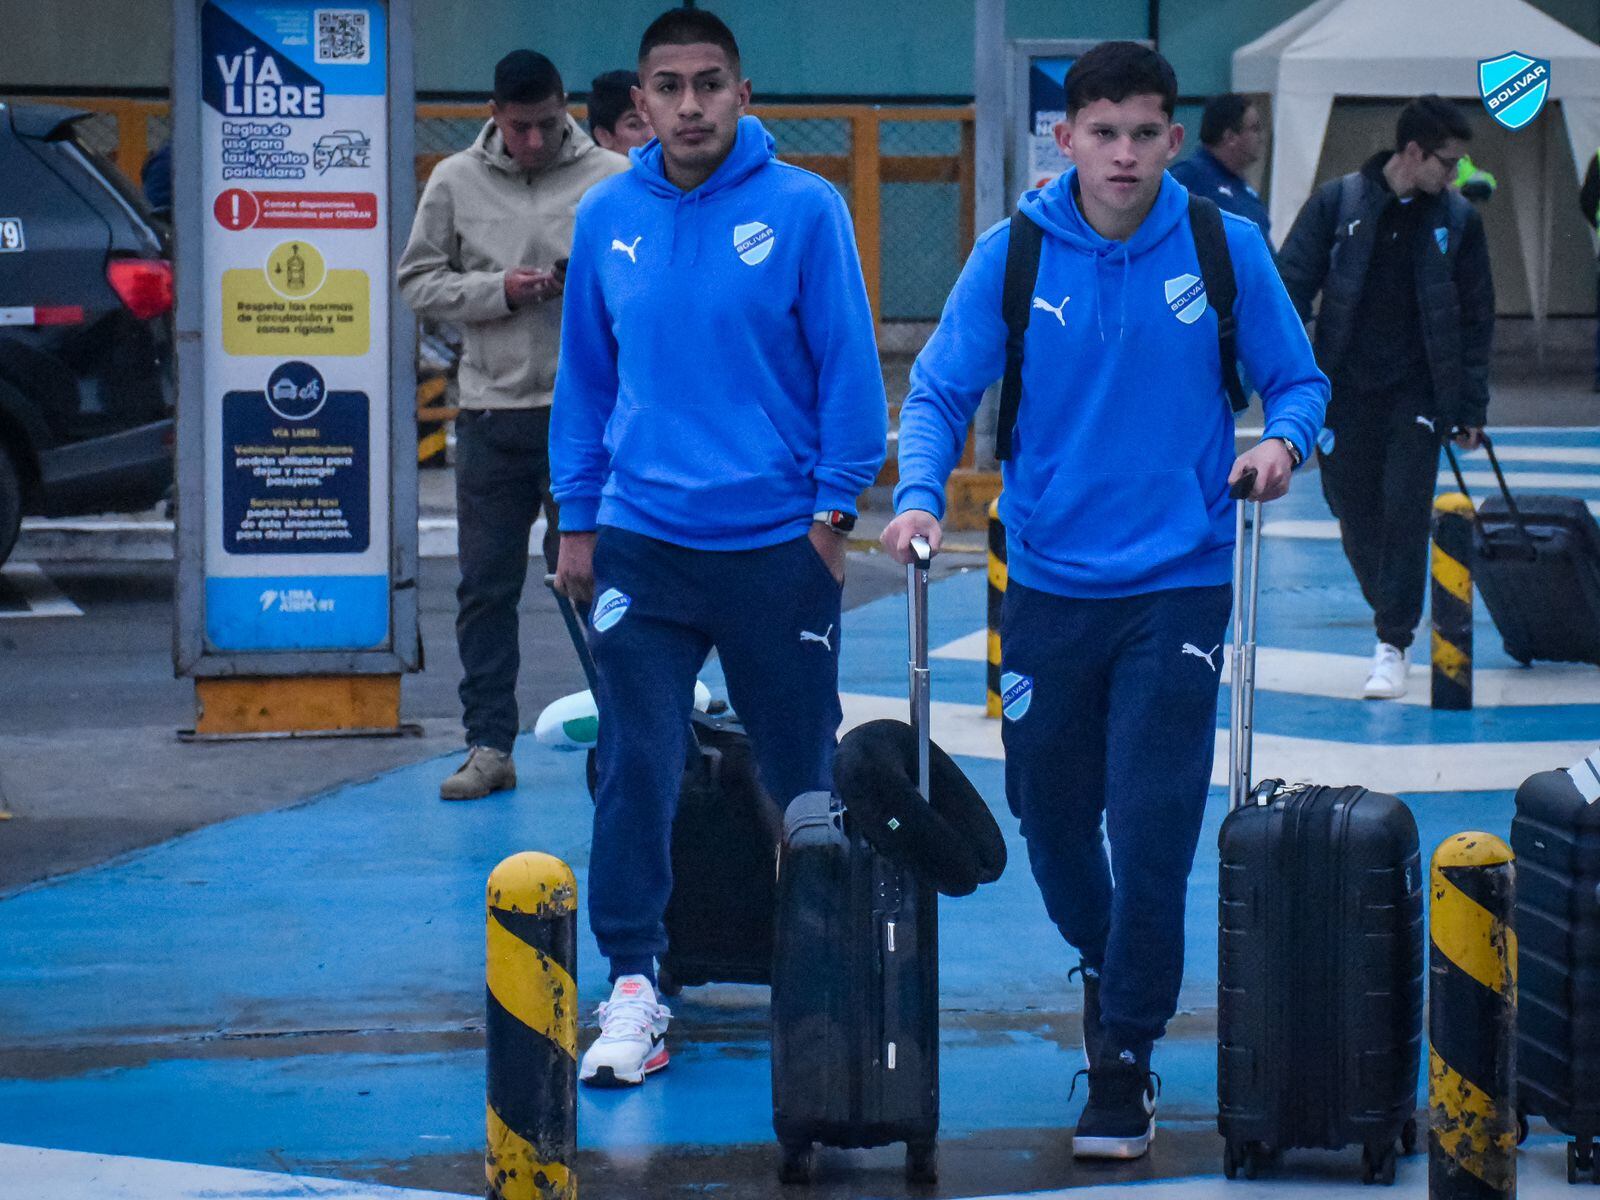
x: 1022, y: 274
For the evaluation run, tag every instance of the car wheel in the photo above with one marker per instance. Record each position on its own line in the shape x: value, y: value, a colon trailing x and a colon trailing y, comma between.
x: 10, y: 503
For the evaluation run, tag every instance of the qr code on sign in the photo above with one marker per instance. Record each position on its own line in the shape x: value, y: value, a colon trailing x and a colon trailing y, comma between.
x: 342, y: 36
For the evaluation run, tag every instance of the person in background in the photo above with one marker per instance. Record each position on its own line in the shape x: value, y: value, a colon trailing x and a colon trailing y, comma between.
x: 1233, y: 139
x: 492, y: 231
x: 1473, y: 182
x: 615, y: 120
x: 1404, y: 333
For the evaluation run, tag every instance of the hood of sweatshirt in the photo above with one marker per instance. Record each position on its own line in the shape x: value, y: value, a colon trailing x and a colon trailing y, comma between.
x: 753, y: 148
x: 1055, y: 209
x: 490, y: 149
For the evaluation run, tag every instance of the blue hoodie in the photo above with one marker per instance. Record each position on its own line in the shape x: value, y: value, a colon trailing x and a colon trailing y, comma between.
x: 1118, y: 480
x: 718, y: 380
x: 1204, y: 175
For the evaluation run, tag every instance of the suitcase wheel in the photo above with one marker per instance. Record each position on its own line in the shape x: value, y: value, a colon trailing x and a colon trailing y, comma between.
x: 1378, y: 1166
x: 1522, y: 1126
x: 1408, y: 1134
x: 1580, y: 1160
x: 797, y: 1162
x: 666, y: 984
x: 1248, y: 1158
x: 922, y: 1163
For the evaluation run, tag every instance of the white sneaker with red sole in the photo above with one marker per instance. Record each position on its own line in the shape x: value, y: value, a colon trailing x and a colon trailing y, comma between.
x: 633, y: 1037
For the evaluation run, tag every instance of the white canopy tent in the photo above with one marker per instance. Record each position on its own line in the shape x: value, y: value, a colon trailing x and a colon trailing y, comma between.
x: 1399, y: 48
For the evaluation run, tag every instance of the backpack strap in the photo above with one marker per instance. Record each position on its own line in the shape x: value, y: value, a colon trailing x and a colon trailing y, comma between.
x: 1216, y: 272
x: 1351, y: 189
x: 1016, y: 305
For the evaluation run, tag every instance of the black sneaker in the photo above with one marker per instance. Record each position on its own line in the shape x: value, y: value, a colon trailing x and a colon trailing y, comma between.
x: 1091, y: 1010
x: 1120, y: 1119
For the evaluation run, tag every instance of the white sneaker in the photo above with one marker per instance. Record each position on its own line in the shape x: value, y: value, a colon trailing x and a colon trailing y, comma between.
x: 632, y: 1041
x: 1388, y: 678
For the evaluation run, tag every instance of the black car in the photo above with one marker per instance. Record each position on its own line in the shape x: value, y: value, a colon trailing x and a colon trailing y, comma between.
x: 86, y: 364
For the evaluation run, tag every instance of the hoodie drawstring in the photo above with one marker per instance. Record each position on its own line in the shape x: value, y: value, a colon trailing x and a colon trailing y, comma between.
x: 1122, y: 311
x: 1122, y: 300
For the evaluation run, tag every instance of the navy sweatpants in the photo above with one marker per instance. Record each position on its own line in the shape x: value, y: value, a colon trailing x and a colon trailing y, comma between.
x: 1110, y: 714
x: 773, y: 616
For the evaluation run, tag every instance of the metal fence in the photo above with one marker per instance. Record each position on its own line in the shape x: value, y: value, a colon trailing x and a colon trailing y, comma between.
x: 906, y: 172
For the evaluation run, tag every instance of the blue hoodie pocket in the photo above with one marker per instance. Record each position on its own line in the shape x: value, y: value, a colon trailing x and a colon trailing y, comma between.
x: 1108, y: 530
x: 731, y: 465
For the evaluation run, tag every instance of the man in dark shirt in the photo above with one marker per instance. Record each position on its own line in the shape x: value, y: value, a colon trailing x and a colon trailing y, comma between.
x: 1232, y: 140
x: 1403, y: 333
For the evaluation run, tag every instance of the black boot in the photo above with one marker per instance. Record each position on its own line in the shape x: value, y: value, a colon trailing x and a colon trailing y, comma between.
x: 1120, y: 1119
x: 1091, y: 1010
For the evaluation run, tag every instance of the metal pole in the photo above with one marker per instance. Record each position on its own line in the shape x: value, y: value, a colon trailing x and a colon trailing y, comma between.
x: 989, y: 99
x: 997, y: 595
x: 532, y: 1029
x: 1472, y: 1021
x: 1452, y: 602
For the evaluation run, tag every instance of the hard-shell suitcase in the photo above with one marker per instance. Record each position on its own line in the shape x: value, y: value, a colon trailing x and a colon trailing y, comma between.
x: 1536, y: 562
x: 855, y: 980
x: 724, y: 838
x: 1556, y: 837
x: 1320, y: 950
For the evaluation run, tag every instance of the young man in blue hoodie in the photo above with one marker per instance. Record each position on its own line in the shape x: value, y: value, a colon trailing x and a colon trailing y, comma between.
x: 1119, y: 533
x: 719, y: 407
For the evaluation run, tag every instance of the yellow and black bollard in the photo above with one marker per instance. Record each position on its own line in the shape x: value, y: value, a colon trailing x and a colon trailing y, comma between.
x: 1472, y: 1021
x: 997, y: 595
x: 1452, y: 602
x: 532, y: 1029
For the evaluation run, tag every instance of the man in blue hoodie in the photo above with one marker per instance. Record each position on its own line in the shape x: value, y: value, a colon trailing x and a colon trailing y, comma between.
x: 1119, y: 534
x: 719, y: 407
x: 1233, y: 138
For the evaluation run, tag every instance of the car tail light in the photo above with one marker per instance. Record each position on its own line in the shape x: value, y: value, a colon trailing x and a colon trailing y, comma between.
x: 143, y: 284
x: 58, y: 314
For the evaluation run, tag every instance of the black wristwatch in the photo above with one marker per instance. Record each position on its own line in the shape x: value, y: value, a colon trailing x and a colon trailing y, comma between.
x: 838, y: 521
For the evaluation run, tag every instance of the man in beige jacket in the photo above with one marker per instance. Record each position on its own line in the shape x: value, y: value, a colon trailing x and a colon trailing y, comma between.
x: 487, y: 253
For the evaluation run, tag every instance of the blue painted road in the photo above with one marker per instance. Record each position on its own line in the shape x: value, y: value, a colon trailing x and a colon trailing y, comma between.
x: 304, y: 987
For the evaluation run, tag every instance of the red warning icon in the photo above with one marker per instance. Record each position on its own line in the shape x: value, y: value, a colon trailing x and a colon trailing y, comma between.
x: 236, y: 209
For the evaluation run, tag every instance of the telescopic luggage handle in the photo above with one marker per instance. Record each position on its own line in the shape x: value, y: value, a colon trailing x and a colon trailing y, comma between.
x: 575, y: 630
x: 917, y: 632
x: 1242, y: 672
x: 1511, y: 503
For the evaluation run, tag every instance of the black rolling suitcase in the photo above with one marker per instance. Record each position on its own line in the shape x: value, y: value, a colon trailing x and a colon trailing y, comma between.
x: 1320, y: 966
x: 1556, y: 837
x: 855, y: 979
x: 1536, y: 562
x: 724, y: 837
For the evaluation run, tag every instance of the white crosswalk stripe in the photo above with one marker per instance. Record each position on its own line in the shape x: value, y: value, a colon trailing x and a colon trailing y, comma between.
x: 963, y: 729
x: 34, y: 1173
x: 28, y: 581
x: 1339, y: 676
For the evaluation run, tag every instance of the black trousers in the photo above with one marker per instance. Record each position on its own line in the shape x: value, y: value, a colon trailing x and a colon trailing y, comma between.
x: 1378, y: 477
x: 502, y: 481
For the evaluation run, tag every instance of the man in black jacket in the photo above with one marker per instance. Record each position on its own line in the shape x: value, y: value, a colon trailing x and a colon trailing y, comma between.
x: 1589, y: 199
x: 1403, y: 332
